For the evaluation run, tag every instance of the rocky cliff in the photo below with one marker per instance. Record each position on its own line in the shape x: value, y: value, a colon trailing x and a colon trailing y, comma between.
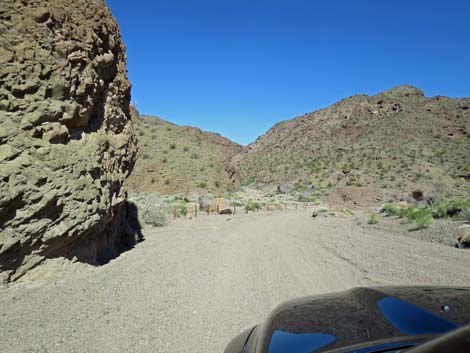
x: 66, y: 141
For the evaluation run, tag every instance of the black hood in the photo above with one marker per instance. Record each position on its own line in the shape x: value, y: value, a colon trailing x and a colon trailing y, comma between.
x: 387, y: 316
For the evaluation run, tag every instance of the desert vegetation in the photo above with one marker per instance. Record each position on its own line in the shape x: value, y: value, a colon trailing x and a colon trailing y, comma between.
x: 423, y: 216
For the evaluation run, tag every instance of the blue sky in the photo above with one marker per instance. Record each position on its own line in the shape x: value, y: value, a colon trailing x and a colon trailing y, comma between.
x: 239, y: 66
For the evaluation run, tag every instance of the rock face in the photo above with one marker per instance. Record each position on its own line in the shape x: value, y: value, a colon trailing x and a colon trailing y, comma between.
x: 66, y: 141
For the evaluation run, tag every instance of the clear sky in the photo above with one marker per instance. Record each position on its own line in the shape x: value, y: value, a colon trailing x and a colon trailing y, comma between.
x: 239, y: 66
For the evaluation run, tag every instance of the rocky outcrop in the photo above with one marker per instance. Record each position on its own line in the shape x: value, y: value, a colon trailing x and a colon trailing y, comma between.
x: 66, y: 141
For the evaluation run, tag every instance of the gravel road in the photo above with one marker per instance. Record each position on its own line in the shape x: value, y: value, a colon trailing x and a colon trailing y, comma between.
x: 193, y: 285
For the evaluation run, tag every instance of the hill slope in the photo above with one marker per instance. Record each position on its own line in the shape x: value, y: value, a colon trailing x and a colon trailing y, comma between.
x: 398, y: 140
x: 180, y: 159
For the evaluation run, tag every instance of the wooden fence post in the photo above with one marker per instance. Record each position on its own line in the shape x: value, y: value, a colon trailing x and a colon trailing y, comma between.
x: 208, y: 210
x: 218, y: 210
x: 195, y: 211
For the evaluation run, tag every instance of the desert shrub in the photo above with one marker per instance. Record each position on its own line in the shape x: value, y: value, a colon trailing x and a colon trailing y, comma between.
x: 423, y: 221
x: 146, y: 156
x: 391, y: 209
x: 323, y: 210
x: 304, y: 196
x: 348, y: 212
x: 185, y: 148
x: 164, y: 160
x: 172, y: 146
x: 202, y: 185
x: 237, y: 202
x: 194, y: 155
x: 150, y: 209
x: 421, y: 216
x: 278, y: 205
x: 167, y: 181
x: 252, y: 206
x: 177, y: 202
x: 454, y: 208
x: 374, y: 219
x: 217, y: 184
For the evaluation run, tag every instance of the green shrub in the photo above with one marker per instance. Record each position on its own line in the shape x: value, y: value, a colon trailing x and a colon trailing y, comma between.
x: 172, y: 146
x: 237, y: 203
x: 423, y: 221
x: 217, y: 184
x: 453, y: 208
x: 185, y: 148
x: 202, y: 185
x: 374, y: 219
x: 252, y: 206
x: 348, y: 212
x: 391, y: 209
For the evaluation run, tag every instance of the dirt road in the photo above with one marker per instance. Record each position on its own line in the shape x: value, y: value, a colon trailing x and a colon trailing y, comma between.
x: 193, y: 285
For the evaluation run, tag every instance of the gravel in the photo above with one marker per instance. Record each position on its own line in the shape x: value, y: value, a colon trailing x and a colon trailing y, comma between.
x: 193, y: 285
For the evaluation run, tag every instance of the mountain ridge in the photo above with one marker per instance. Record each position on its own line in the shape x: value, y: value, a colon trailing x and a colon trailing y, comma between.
x: 321, y: 144
x: 397, y: 140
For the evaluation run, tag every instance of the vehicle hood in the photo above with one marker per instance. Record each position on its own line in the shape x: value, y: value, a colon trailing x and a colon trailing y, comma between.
x: 361, y: 315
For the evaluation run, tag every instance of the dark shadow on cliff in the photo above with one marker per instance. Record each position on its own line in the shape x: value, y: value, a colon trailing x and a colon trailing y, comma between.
x: 101, y: 244
x: 104, y: 244
x: 126, y: 231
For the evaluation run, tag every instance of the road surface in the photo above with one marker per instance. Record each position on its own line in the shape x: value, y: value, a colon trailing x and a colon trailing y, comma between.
x: 193, y: 285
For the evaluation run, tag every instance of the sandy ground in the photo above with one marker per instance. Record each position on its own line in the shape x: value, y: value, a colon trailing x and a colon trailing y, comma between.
x: 193, y: 285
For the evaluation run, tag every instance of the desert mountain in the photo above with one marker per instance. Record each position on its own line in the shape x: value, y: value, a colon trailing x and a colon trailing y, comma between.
x: 180, y: 159
x: 398, y: 140
x: 66, y: 141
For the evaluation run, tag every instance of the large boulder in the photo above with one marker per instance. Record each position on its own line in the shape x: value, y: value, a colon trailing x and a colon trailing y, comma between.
x: 66, y: 141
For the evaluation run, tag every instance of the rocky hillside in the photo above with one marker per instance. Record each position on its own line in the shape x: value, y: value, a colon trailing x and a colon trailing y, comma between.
x: 66, y: 144
x: 396, y: 141
x: 180, y: 159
